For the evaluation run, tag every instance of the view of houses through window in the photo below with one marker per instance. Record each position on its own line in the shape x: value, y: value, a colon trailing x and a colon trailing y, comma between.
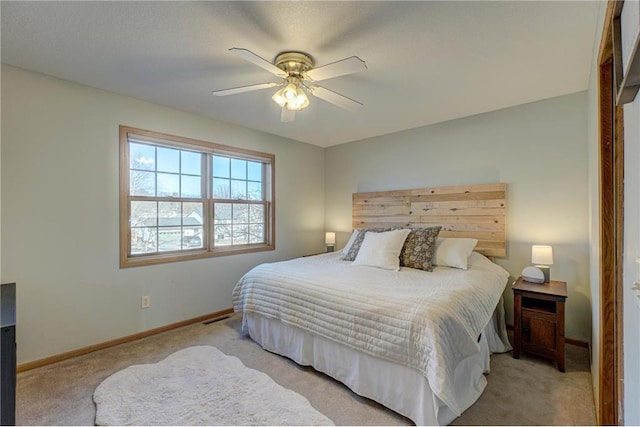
x: 238, y: 222
x: 193, y: 199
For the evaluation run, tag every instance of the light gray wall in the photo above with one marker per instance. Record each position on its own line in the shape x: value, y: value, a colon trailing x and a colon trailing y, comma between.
x: 538, y: 149
x: 60, y: 215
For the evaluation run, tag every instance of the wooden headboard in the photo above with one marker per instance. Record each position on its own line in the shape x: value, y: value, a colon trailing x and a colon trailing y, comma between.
x: 475, y: 211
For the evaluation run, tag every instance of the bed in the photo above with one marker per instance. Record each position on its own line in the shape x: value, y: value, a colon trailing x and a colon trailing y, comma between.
x: 415, y: 341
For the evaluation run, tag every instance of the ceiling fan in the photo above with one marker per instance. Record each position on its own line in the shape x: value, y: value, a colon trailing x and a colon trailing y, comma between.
x: 298, y: 75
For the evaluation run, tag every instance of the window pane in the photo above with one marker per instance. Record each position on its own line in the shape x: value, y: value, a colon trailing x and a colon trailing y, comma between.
x: 254, y: 190
x: 192, y: 229
x: 222, y: 235
x: 168, y: 160
x: 254, y: 170
x: 143, y: 240
x: 240, y: 213
x: 168, y: 185
x: 144, y: 214
x: 192, y: 238
x: 221, y: 167
x: 142, y: 156
x: 256, y: 234
x: 222, y: 213
x: 256, y: 214
x: 238, y: 189
x: 192, y: 214
x: 191, y: 186
x: 142, y: 183
x: 191, y: 163
x: 169, y: 239
x: 238, y: 169
x: 169, y: 214
x: 240, y: 234
x: 221, y: 188
x: 222, y: 224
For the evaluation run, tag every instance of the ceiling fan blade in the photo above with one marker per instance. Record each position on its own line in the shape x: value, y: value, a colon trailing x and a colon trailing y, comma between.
x: 287, y: 115
x: 335, y: 69
x: 335, y: 98
x: 260, y: 62
x: 241, y: 89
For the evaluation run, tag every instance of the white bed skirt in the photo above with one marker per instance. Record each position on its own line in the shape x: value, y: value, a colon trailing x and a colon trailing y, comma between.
x: 397, y: 387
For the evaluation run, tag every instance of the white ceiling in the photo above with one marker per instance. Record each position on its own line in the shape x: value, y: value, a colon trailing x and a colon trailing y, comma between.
x: 427, y: 61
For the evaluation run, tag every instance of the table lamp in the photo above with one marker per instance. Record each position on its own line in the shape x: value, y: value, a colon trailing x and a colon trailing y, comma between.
x: 542, y: 257
x: 330, y: 240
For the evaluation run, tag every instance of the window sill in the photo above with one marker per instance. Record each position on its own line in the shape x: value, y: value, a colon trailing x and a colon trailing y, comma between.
x: 144, y: 260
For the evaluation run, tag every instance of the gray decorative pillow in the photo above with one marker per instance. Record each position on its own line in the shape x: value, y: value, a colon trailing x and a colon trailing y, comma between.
x: 419, y: 248
x: 355, y: 246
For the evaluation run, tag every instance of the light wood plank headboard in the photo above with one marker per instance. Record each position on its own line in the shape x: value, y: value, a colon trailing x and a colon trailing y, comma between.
x: 475, y: 211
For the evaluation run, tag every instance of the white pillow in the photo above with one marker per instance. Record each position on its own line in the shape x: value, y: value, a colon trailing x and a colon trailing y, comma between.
x: 346, y: 248
x: 382, y: 250
x: 453, y: 252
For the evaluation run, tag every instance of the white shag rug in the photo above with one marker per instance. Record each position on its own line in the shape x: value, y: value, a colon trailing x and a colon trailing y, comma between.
x: 199, y: 386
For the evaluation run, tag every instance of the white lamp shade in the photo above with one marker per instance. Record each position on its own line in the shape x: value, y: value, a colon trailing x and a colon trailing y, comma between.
x: 542, y: 255
x: 330, y: 238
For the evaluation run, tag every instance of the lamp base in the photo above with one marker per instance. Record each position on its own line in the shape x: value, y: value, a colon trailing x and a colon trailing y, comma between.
x: 546, y: 271
x: 330, y: 248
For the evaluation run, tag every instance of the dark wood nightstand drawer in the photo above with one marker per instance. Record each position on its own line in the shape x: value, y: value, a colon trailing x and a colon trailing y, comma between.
x: 539, y: 334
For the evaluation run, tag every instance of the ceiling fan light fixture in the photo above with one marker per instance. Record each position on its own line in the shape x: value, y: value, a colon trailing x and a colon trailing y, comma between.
x: 299, y: 102
x: 279, y: 98
x: 290, y: 92
x: 291, y: 96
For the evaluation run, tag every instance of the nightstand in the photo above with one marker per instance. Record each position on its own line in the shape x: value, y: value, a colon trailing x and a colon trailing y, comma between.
x: 538, y: 317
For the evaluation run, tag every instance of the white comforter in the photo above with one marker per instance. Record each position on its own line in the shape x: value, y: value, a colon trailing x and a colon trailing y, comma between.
x: 427, y: 321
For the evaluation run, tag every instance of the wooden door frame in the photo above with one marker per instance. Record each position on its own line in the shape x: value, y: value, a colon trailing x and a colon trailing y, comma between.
x: 611, y: 200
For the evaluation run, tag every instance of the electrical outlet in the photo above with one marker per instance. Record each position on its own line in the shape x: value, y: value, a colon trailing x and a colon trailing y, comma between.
x: 146, y: 301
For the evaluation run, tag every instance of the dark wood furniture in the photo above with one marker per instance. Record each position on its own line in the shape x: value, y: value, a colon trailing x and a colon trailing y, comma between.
x: 539, y: 319
x: 8, y: 354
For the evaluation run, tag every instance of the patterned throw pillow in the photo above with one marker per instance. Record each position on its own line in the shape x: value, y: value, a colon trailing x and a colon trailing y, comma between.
x: 355, y: 246
x: 419, y: 248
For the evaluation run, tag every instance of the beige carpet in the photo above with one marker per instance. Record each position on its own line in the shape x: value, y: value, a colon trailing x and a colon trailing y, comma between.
x: 528, y: 391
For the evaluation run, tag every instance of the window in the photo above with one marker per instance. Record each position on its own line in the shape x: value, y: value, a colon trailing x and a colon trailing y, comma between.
x: 185, y: 199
